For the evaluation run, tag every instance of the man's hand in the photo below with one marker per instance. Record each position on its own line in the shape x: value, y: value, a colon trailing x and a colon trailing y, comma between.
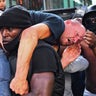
x: 19, y: 86
x: 70, y: 54
x: 84, y: 45
x: 90, y: 38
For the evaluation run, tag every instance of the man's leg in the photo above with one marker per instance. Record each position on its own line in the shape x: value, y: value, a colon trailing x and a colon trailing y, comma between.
x: 5, y: 75
x: 68, y: 90
x: 78, y: 79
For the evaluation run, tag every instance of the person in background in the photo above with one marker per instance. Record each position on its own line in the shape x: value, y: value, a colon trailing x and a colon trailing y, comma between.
x: 35, y: 66
x: 2, y: 4
x: 5, y: 74
x: 89, y: 47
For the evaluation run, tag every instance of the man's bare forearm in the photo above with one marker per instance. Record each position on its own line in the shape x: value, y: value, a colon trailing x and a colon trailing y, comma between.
x: 27, y: 45
x: 28, y: 42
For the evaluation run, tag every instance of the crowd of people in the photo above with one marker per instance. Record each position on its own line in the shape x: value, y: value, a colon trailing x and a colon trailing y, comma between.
x: 37, y: 49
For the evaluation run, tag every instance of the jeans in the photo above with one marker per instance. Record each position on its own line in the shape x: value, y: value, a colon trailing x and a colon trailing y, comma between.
x: 5, y: 75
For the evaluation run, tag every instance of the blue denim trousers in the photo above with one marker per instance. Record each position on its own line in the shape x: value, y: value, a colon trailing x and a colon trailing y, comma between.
x: 5, y: 75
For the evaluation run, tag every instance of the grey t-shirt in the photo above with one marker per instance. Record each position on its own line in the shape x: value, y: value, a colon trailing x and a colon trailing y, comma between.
x: 79, y: 64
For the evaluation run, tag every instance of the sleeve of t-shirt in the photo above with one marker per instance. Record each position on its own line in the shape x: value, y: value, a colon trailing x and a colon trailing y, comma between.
x: 54, y: 22
x: 79, y: 64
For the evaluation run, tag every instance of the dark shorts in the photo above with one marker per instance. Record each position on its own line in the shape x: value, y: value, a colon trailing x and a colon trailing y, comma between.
x: 44, y: 59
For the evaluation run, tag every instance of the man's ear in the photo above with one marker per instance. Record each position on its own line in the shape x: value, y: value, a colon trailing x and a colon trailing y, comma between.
x: 68, y: 21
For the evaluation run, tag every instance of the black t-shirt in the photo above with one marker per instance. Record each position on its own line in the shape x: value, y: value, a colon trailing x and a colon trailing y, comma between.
x: 45, y: 59
x: 54, y: 22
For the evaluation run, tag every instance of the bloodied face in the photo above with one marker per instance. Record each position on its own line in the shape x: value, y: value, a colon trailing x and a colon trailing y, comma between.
x: 73, y: 33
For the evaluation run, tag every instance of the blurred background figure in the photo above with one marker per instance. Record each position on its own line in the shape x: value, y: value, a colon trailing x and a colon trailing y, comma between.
x: 2, y: 5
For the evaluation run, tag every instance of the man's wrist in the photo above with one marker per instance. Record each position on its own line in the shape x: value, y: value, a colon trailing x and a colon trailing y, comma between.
x: 93, y: 46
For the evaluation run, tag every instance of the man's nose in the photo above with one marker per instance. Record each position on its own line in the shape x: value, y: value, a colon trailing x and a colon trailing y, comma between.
x: 77, y: 39
x: 5, y: 33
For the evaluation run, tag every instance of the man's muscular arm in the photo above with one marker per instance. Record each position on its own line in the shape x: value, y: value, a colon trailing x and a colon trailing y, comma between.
x: 28, y: 42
